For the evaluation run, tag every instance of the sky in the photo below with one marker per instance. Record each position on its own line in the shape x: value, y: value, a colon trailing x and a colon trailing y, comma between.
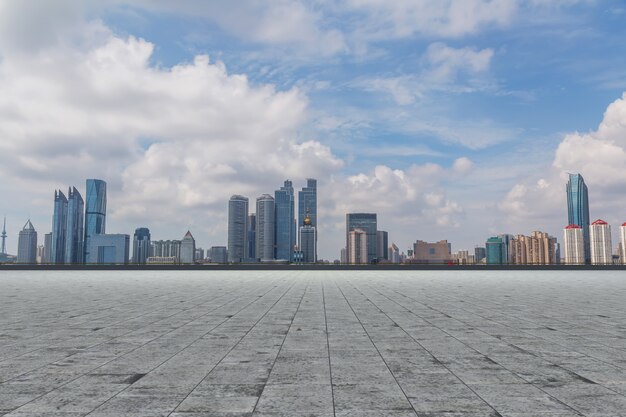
x: 450, y: 119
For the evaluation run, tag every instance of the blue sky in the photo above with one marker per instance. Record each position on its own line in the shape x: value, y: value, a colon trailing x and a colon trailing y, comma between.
x: 444, y: 117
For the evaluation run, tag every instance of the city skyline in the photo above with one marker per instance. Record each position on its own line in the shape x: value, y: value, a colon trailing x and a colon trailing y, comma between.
x: 441, y: 116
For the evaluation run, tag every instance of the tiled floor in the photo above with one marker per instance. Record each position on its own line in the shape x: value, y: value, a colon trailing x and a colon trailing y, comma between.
x: 268, y: 343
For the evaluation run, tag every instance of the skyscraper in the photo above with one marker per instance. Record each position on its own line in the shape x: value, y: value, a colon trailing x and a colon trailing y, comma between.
x: 95, y: 211
x: 251, y: 254
x: 622, y: 241
x: 368, y: 223
x: 187, y: 249
x: 539, y: 248
x: 265, y: 227
x: 506, y: 239
x: 382, y: 242
x: 47, y: 249
x: 307, y: 241
x: 574, y: 245
x: 578, y: 209
x: 601, y: 244
x: 358, y: 246
x: 495, y: 251
x: 285, y: 222
x: 59, y: 227
x: 27, y: 244
x: 479, y: 254
x: 307, y: 199
x: 218, y: 254
x: 74, y: 228
x: 237, y: 228
x: 141, y: 245
x: 394, y: 254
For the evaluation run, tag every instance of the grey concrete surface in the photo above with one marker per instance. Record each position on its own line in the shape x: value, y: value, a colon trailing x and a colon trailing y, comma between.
x: 272, y: 343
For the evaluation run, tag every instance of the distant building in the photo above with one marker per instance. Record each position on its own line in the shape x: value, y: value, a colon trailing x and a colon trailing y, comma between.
x: 59, y: 224
x: 495, y: 251
x: 3, y: 248
x: 47, y: 248
x: 265, y: 216
x: 479, y: 254
x: 431, y: 253
x: 187, y: 249
x: 537, y: 249
x: 343, y: 257
x: 285, y: 222
x: 578, y: 209
x: 368, y: 223
x: 307, y: 200
x: 506, y: 239
x: 601, y: 245
x: 141, y: 245
x: 40, y: 254
x: 357, y: 250
x: 199, y: 254
x: 394, y: 254
x: 622, y: 241
x: 166, y: 249
x: 237, y: 228
x: 463, y: 257
x: 95, y: 211
x: 307, y: 240
x: 574, y: 245
x: 74, y: 228
x: 162, y: 260
x: 218, y: 254
x: 382, y: 245
x: 108, y: 249
x: 251, y: 254
x: 27, y: 245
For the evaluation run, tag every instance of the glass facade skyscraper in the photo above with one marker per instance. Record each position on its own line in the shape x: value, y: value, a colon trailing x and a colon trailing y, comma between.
x: 495, y: 251
x: 251, y: 254
x: 95, y: 211
x: 285, y: 222
x: 59, y: 225
x: 307, y: 200
x: 578, y: 209
x: 237, y: 228
x: 141, y: 245
x: 27, y: 244
x: 368, y: 223
x: 74, y: 230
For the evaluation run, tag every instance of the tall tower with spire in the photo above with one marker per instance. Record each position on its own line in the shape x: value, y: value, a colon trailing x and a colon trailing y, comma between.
x: 4, y: 237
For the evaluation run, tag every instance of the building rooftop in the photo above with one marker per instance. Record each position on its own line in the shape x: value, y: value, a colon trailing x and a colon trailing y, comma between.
x: 312, y: 343
x: 573, y: 226
x: 599, y: 222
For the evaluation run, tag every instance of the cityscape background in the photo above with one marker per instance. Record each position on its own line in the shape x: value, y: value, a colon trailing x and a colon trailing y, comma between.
x: 444, y: 118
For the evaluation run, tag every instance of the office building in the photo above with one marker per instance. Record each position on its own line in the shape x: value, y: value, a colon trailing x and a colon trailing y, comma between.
x: 622, y: 241
x: 431, y: 253
x: 382, y: 245
x: 368, y: 223
x: 251, y: 254
x: 141, y: 245
x: 574, y: 245
x: 108, y: 249
x: 265, y: 227
x: 27, y: 244
x: 218, y: 254
x: 307, y: 241
x: 601, y: 244
x: 495, y: 251
x: 237, y: 228
x: 74, y: 228
x: 394, y: 254
x: 187, y: 249
x: 47, y: 249
x: 199, y: 254
x: 59, y: 226
x: 285, y: 222
x: 578, y: 209
x: 358, y: 247
x: 95, y: 212
x: 343, y: 256
x: 506, y: 239
x: 307, y: 200
x: 479, y: 254
x: 166, y: 249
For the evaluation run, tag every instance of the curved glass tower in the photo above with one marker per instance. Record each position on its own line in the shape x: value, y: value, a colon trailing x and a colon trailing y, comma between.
x: 95, y: 211
x: 578, y: 209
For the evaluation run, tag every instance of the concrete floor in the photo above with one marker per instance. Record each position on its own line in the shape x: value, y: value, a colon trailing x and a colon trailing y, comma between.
x: 268, y: 343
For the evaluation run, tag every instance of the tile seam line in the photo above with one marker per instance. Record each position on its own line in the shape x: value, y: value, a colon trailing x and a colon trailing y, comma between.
x: 330, y: 368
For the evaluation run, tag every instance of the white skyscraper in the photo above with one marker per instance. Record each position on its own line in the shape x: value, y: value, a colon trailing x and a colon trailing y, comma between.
x: 357, y: 247
x: 622, y: 234
x: 237, y: 228
x: 574, y: 245
x: 601, y: 247
x: 27, y: 245
x: 187, y: 249
x: 265, y: 221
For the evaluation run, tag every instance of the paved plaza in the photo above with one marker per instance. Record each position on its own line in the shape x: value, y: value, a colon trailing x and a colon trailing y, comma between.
x: 312, y: 343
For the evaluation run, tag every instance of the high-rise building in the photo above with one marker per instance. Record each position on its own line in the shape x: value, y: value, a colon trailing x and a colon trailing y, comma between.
x: 574, y: 245
x: 59, y: 227
x: 47, y: 248
x: 601, y: 245
x: 285, y: 222
x: 95, y: 212
x: 27, y: 244
x: 358, y: 247
x: 141, y: 245
x: 3, y: 248
x: 506, y: 239
x: 495, y: 251
x: 479, y: 254
x: 74, y: 230
x: 578, y: 209
x: 307, y: 241
x: 382, y: 245
x: 437, y: 253
x: 40, y: 254
x: 199, y: 254
x: 622, y: 241
x: 187, y: 249
x: 368, y: 223
x: 265, y: 227
x: 251, y: 254
x: 394, y: 253
x: 108, y: 249
x: 343, y: 256
x: 163, y: 249
x: 218, y: 254
x: 537, y: 249
x: 307, y: 199
x: 237, y: 228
